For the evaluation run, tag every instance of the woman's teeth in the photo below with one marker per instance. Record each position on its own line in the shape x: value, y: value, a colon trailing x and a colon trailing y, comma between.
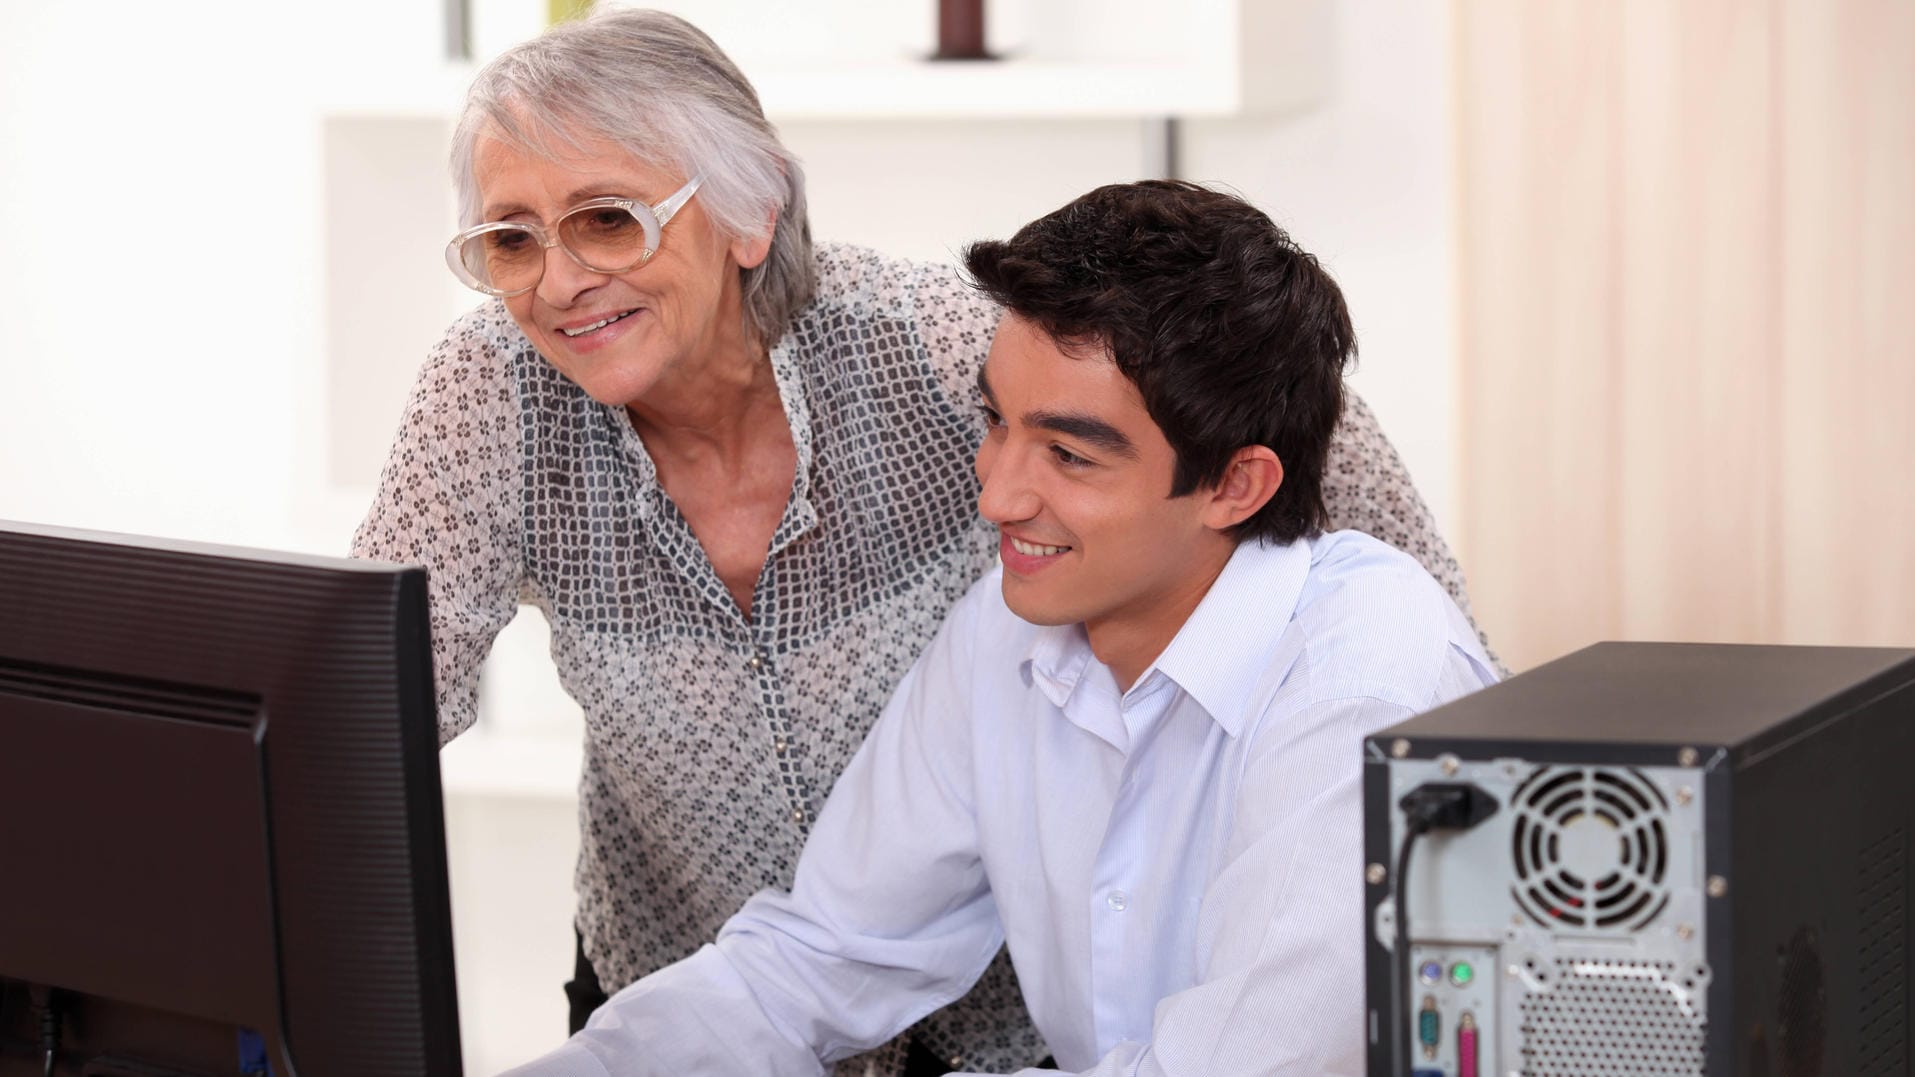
x: 1031, y: 549
x: 595, y: 326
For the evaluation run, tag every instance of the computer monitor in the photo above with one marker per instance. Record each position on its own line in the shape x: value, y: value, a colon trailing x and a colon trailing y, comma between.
x: 222, y: 847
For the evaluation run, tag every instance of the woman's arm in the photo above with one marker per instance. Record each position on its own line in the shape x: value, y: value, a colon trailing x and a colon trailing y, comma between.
x: 890, y: 915
x: 449, y: 499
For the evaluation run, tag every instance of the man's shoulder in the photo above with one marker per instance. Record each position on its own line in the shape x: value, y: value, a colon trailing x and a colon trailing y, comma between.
x: 1372, y: 623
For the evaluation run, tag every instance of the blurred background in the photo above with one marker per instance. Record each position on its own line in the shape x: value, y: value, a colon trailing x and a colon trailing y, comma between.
x: 1632, y: 282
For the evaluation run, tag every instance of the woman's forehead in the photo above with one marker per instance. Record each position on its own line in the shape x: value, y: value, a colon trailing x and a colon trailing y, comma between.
x: 512, y: 168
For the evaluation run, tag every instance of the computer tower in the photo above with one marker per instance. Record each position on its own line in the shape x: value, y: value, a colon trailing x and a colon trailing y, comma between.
x: 1650, y: 859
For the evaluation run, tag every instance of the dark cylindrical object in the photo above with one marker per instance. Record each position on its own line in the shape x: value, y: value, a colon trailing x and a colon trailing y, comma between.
x: 961, y: 30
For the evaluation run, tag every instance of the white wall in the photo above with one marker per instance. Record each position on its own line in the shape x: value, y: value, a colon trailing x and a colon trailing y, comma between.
x: 174, y: 358
x: 1365, y: 180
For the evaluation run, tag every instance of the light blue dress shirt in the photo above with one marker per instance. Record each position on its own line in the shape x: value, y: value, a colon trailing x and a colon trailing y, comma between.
x: 1177, y: 868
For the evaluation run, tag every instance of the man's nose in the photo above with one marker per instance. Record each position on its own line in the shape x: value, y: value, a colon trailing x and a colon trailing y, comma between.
x: 1005, y: 493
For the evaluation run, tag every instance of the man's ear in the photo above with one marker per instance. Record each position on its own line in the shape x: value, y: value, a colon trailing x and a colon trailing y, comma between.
x: 751, y: 251
x: 1249, y: 482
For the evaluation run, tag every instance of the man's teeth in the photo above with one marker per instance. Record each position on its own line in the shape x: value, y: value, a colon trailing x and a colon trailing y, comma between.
x: 1031, y: 549
x: 595, y: 326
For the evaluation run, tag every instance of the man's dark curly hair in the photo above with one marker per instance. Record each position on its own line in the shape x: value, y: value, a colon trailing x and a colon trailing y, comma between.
x: 1232, y: 333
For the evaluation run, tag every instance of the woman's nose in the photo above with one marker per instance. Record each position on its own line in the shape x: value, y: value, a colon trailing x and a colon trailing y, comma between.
x: 563, y: 278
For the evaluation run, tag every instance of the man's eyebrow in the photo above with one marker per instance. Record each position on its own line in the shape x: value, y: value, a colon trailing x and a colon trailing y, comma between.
x: 1071, y: 424
x: 1085, y: 428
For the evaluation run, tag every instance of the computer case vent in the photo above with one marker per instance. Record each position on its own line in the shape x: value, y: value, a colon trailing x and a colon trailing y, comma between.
x: 1696, y: 865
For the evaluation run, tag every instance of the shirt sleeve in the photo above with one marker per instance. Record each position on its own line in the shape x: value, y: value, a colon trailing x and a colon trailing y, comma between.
x: 889, y: 916
x: 1366, y: 488
x: 448, y: 499
x: 1280, y: 932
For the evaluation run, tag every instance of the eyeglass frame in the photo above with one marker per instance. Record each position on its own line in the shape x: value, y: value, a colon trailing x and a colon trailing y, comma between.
x: 653, y: 220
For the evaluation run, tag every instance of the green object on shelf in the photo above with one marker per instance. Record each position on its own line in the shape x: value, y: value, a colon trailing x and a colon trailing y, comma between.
x: 558, y: 11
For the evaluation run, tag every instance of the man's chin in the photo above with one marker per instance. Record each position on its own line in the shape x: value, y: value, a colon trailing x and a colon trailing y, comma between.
x: 1033, y: 609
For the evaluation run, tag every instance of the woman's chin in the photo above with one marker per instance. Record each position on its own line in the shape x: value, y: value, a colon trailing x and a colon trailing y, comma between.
x: 612, y: 383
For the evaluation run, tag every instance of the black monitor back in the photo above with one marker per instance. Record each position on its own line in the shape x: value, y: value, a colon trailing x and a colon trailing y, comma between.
x: 219, y: 811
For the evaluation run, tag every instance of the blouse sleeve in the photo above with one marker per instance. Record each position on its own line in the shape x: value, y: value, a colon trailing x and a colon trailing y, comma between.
x: 449, y: 499
x: 956, y: 324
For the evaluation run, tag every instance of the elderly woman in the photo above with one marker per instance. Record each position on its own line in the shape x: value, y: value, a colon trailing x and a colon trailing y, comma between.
x: 731, y: 467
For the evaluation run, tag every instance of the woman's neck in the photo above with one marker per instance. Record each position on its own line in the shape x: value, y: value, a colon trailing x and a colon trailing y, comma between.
x: 720, y: 408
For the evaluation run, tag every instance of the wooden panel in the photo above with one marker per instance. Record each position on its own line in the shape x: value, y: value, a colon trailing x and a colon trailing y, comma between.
x: 1698, y: 352
x: 1848, y: 321
x: 1537, y: 113
x: 1688, y: 258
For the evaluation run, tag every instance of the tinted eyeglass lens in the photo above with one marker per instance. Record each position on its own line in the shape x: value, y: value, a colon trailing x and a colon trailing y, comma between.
x: 605, y: 238
x: 507, y: 258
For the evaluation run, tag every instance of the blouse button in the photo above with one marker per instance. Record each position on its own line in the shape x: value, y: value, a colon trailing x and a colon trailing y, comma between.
x: 797, y: 815
x: 1117, y: 900
x: 754, y: 662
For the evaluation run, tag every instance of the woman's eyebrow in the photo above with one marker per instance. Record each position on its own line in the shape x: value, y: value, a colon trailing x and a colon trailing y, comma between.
x: 512, y: 209
x: 502, y: 211
x: 600, y: 190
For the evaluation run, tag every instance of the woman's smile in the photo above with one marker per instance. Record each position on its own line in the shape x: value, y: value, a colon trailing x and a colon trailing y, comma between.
x: 575, y: 331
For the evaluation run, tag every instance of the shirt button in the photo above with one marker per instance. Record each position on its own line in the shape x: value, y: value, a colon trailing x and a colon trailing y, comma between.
x: 754, y: 662
x: 797, y: 815
x: 779, y: 744
x: 1117, y: 900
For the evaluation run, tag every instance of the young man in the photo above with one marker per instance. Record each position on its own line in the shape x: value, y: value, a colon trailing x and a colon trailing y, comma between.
x: 1132, y: 752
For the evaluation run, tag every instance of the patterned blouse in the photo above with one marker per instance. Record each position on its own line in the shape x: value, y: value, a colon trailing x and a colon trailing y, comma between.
x: 711, y: 740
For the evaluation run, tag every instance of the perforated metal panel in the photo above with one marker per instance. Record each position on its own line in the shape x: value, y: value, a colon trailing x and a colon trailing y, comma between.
x: 1612, y: 1019
x: 1883, y: 960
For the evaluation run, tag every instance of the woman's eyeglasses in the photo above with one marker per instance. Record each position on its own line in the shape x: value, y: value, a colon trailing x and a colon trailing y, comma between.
x: 605, y: 235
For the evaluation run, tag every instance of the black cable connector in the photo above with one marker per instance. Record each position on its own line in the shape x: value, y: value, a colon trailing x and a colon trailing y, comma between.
x: 1447, y: 805
x: 1430, y: 806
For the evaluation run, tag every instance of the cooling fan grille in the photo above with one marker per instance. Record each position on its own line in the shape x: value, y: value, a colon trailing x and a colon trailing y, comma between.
x: 1591, y: 847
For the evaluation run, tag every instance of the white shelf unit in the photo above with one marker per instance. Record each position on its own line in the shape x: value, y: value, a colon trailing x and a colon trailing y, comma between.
x: 1081, y: 59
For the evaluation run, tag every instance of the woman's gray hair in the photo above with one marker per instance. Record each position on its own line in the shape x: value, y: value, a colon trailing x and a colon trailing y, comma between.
x: 656, y: 86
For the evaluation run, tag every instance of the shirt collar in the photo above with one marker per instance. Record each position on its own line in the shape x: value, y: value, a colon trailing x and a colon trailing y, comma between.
x: 1057, y: 659
x: 1219, y: 655
x: 789, y: 374
x: 800, y: 514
